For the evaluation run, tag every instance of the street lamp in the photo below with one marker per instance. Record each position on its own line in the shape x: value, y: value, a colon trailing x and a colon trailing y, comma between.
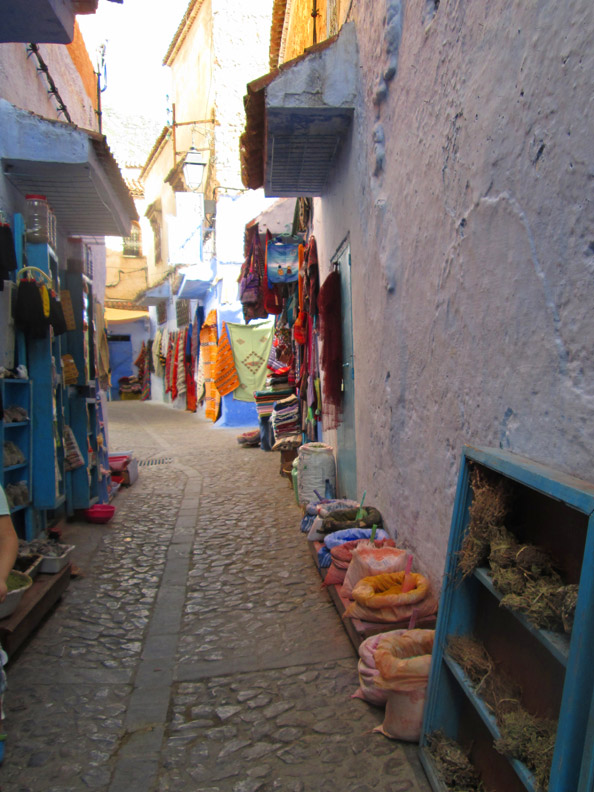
x: 195, y: 163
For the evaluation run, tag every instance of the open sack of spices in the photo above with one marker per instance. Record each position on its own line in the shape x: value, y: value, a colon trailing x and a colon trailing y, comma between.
x: 341, y: 555
x: 393, y: 673
x: 392, y: 598
x: 524, y: 573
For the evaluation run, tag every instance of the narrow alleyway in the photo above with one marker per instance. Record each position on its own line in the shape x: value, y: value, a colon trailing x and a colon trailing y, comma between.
x: 197, y: 651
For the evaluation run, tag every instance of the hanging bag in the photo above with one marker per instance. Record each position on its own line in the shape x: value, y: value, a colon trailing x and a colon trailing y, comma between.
x: 273, y: 302
x: 282, y: 259
x: 249, y: 283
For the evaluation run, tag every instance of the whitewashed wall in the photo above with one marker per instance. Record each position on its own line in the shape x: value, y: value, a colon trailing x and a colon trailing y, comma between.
x: 467, y: 190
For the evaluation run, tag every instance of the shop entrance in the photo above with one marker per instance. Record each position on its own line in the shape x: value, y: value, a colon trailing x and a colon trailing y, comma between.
x: 347, y: 447
x: 120, y: 360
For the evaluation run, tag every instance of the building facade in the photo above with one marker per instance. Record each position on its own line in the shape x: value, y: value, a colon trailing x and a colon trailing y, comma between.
x: 461, y: 193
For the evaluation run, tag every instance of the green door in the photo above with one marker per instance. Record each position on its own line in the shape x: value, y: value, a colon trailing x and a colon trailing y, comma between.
x: 347, y: 447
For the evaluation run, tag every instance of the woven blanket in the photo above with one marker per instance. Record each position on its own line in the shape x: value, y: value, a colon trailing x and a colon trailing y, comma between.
x: 208, y: 356
x: 251, y: 348
x: 225, y: 377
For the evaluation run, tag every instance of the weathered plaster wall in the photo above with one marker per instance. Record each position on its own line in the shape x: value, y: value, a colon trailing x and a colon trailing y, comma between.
x: 466, y: 190
x: 22, y: 85
x: 192, y: 74
x: 240, y: 55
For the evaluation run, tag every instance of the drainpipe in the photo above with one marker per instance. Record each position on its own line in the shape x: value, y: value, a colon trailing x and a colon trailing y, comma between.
x: 315, y: 13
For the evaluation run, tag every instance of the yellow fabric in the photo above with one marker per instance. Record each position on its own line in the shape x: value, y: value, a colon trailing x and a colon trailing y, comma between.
x: 45, y: 302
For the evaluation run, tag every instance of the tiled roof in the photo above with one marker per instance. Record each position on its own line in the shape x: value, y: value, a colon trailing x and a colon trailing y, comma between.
x: 182, y: 30
x: 276, y: 30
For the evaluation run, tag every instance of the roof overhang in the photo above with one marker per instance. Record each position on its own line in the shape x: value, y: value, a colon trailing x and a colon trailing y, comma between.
x: 72, y: 167
x: 297, y: 118
x: 42, y: 21
x: 155, y: 294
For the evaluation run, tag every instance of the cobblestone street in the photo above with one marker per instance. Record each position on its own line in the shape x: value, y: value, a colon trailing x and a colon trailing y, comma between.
x: 197, y: 651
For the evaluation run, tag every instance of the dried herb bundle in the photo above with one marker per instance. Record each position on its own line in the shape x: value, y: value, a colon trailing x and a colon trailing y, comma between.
x: 524, y: 574
x: 523, y: 736
x: 488, y: 511
x: 529, y: 739
x: 453, y: 765
x: 495, y: 688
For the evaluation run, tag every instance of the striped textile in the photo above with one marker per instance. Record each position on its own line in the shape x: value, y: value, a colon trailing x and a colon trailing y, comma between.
x: 225, y: 377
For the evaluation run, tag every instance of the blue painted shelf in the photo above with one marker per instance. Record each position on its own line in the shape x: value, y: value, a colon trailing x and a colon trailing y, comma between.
x: 554, y: 671
x: 17, y: 392
x: 45, y: 370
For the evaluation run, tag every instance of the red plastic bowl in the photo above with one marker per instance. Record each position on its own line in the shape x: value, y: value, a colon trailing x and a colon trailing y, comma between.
x: 100, y: 513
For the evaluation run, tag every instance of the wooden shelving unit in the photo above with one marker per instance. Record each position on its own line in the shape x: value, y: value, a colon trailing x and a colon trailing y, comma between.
x: 554, y: 671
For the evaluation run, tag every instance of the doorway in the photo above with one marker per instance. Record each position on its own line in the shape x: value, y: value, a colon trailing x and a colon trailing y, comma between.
x: 120, y: 360
x: 346, y: 473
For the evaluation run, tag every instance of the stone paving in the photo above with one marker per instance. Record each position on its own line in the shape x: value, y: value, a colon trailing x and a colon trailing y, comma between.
x: 197, y: 651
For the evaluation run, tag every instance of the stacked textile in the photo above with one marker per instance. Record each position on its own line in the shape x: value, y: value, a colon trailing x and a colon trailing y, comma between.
x: 266, y: 399
x: 129, y: 385
x: 286, y: 424
x: 278, y: 380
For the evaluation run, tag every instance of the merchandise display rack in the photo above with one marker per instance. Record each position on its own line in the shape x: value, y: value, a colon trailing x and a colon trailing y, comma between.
x: 554, y: 671
x: 17, y: 392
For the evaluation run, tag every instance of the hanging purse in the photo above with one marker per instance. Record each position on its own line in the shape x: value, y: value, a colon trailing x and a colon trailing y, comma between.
x: 282, y: 259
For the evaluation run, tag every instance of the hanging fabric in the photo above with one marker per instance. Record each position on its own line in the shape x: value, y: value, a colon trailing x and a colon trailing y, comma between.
x: 251, y: 350
x: 32, y: 309
x: 208, y: 355
x: 225, y: 377
x: 329, y: 306
x: 181, y: 363
x: 8, y: 260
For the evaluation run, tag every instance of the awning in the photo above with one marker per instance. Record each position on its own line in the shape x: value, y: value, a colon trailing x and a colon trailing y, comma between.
x: 121, y: 316
x: 72, y: 167
x: 155, y: 294
x: 297, y: 118
x: 193, y: 288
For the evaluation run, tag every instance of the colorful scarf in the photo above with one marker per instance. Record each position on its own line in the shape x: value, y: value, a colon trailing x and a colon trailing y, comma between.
x: 251, y: 350
x: 181, y: 363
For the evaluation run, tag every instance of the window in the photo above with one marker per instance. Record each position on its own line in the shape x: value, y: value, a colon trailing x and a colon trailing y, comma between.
x: 133, y: 243
x: 182, y: 310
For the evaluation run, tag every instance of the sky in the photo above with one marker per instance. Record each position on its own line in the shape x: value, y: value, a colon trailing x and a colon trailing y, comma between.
x: 137, y: 35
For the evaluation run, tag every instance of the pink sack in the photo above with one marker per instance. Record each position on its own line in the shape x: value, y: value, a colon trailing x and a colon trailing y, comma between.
x: 368, y: 671
x: 344, y: 552
x: 368, y: 561
x: 403, y: 662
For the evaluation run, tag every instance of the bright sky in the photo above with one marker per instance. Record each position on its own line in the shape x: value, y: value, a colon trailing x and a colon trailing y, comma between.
x: 138, y: 34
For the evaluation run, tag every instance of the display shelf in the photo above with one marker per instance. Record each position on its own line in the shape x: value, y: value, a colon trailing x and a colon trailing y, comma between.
x: 554, y: 671
x: 556, y: 643
x: 44, y: 360
x: 17, y: 393
x: 525, y: 776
